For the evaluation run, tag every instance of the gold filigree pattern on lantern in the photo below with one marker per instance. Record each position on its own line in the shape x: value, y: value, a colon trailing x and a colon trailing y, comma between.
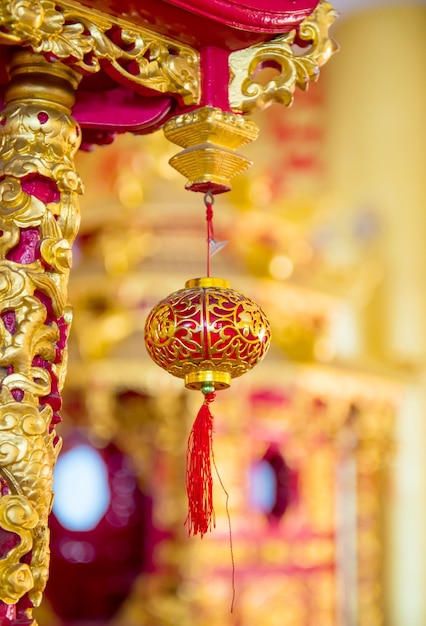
x: 82, y: 38
x: 39, y: 218
x: 207, y: 332
x: 246, y: 95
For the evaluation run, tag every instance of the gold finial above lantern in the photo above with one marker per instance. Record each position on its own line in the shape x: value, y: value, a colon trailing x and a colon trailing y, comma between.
x: 210, y: 138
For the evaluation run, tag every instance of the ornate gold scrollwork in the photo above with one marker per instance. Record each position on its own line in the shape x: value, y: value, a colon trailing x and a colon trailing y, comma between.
x: 85, y: 38
x: 246, y: 95
x: 39, y: 218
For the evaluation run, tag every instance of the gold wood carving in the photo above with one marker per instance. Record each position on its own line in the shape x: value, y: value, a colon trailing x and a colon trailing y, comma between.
x: 39, y: 218
x: 87, y: 39
x: 246, y: 95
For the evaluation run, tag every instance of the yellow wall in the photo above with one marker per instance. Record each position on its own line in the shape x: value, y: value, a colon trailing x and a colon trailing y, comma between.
x: 376, y: 106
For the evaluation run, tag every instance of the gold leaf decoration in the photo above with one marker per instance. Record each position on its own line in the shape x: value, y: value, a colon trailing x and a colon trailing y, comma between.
x: 39, y: 191
x: 247, y: 95
x: 88, y: 39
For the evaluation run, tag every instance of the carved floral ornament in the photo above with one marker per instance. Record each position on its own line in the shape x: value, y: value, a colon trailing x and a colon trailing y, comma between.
x: 89, y: 40
x: 247, y: 95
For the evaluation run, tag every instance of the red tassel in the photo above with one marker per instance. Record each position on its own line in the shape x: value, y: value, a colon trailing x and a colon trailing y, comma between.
x: 199, y: 482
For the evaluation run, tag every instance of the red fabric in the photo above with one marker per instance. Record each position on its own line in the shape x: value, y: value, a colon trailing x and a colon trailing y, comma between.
x: 199, y: 482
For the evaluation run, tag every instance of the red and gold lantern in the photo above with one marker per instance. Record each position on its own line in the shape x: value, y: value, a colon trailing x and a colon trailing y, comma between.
x: 207, y: 334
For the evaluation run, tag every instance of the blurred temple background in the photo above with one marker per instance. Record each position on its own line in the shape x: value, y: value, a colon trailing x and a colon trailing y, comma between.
x: 322, y: 447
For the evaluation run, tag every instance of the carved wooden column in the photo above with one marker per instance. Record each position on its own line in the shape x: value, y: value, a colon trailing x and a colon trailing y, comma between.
x: 39, y: 218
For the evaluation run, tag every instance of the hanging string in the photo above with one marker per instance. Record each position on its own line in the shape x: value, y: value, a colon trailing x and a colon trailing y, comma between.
x: 199, y: 483
x: 230, y: 532
x: 209, y: 201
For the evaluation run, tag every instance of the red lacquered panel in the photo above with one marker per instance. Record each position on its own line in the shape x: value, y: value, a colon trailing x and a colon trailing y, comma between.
x: 229, y: 24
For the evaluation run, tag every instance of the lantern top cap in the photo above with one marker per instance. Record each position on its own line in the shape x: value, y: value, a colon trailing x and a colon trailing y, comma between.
x: 207, y: 281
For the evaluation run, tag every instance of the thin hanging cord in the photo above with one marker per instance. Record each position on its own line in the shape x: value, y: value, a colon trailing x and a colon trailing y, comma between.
x: 230, y: 531
x: 209, y: 201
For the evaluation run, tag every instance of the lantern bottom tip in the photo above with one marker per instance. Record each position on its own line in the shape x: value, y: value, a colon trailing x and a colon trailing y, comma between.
x: 201, y: 380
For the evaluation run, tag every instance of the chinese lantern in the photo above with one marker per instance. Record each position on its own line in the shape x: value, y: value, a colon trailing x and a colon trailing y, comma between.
x: 207, y: 334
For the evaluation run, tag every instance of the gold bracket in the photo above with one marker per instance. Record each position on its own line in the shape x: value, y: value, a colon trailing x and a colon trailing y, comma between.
x: 246, y: 95
x: 89, y: 40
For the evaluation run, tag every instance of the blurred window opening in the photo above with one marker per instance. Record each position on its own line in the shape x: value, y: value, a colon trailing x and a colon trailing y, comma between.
x: 273, y: 485
x: 82, y: 493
